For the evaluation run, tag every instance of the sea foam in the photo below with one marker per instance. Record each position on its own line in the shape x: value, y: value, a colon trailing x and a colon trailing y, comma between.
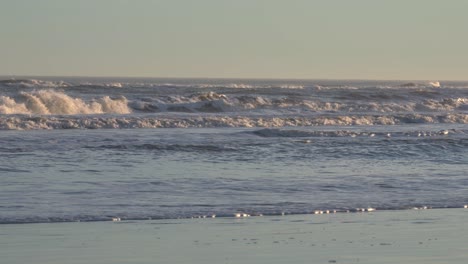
x: 51, y: 102
x: 26, y: 122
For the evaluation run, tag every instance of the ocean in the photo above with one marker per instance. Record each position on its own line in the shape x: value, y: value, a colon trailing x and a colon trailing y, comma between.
x: 93, y: 149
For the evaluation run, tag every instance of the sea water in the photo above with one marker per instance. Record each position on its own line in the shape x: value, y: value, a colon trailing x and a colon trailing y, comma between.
x: 91, y: 149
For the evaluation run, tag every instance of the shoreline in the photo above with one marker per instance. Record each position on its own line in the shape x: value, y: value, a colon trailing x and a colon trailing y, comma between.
x: 402, y: 236
x: 239, y: 214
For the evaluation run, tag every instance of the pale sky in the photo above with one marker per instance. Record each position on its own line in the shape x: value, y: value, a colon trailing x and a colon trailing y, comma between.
x: 305, y: 39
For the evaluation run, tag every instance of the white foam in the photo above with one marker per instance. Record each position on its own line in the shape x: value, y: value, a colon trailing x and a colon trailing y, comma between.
x: 241, y: 215
x: 215, y: 120
x: 50, y: 102
x: 9, y: 106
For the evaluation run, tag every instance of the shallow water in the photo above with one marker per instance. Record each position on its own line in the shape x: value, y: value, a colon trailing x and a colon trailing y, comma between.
x: 169, y: 173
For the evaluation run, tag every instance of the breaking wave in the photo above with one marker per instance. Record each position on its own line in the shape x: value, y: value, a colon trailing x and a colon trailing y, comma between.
x: 21, y: 122
x: 120, y: 103
x: 50, y: 102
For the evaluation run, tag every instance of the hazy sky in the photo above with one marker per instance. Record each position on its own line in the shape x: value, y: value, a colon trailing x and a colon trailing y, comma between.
x: 360, y: 39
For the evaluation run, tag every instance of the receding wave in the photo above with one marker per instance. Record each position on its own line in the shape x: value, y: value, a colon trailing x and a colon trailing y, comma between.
x: 206, y: 211
x: 50, y: 102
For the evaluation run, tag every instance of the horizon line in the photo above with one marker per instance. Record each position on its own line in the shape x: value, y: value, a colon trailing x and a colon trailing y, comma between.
x: 220, y: 78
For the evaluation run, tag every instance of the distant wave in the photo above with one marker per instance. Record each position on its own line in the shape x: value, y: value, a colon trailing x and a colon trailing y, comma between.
x: 434, y: 84
x: 240, y: 85
x: 101, y: 85
x: 36, y: 83
x: 32, y: 83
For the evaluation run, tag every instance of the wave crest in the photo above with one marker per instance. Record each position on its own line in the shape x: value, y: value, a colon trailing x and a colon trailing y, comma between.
x: 49, y: 102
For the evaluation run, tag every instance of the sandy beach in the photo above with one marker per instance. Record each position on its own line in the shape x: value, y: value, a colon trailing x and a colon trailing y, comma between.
x: 409, y: 236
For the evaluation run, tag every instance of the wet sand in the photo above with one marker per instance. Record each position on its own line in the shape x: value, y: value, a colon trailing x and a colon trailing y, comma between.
x: 411, y: 236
